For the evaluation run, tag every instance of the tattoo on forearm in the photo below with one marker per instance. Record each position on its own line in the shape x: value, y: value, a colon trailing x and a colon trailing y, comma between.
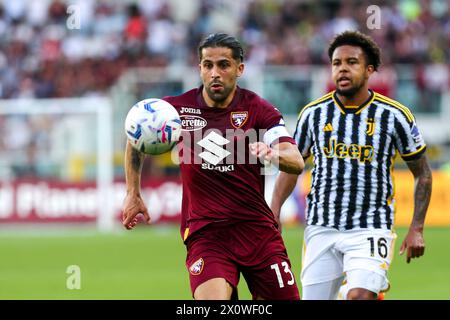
x: 136, y: 160
x: 422, y: 198
x: 423, y: 186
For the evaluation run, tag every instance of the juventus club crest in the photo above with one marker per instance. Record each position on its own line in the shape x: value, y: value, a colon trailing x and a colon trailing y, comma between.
x: 238, y: 119
x: 370, y: 126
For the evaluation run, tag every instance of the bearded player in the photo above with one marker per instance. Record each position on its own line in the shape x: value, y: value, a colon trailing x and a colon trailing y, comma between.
x: 227, y: 226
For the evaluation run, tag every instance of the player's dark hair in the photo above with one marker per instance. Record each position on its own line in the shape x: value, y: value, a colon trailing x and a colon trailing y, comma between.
x: 219, y: 40
x: 358, y: 39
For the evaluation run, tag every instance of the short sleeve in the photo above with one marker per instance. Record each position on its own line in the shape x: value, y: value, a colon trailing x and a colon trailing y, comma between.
x: 302, y: 135
x: 408, y: 138
x: 271, y: 119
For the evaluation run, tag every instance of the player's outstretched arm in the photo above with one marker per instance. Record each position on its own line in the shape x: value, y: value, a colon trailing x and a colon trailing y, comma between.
x: 133, y: 204
x: 414, y: 243
x: 284, y: 186
x: 284, y: 155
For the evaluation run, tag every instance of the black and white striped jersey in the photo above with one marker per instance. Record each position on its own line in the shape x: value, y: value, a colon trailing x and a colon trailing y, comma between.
x: 354, y: 149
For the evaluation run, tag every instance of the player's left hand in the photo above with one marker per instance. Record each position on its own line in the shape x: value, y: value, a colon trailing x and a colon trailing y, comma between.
x: 133, y: 205
x: 262, y: 151
x: 413, y: 244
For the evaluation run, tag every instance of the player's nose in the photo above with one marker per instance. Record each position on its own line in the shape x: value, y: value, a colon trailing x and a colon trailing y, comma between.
x: 214, y: 72
x: 343, y: 67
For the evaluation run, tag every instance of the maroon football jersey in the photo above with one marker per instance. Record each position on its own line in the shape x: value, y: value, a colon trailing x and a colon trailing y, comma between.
x: 221, y: 180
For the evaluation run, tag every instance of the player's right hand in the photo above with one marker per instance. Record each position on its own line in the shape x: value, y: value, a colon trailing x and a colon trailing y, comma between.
x: 413, y: 244
x: 262, y: 151
x: 133, y: 205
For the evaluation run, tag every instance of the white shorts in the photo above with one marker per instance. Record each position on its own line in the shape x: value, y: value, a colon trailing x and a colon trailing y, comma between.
x: 364, y: 254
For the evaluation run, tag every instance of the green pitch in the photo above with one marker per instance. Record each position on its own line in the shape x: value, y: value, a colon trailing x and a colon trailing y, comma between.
x: 148, y: 263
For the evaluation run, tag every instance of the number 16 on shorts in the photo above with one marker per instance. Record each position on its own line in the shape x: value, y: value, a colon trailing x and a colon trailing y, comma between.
x: 381, y: 246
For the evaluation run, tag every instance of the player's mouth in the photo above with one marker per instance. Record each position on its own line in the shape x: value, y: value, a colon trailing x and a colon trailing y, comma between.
x: 216, y: 86
x: 343, y: 81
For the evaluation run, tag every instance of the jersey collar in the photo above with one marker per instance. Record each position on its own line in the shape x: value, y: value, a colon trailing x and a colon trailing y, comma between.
x: 353, y: 109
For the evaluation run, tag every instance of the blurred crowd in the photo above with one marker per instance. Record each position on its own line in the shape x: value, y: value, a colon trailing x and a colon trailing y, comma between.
x: 56, y: 48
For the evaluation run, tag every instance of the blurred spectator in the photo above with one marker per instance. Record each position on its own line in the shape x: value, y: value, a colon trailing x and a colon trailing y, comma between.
x: 57, y: 12
x: 136, y: 28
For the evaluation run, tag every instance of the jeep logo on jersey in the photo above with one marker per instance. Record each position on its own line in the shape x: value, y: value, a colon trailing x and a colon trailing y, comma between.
x: 238, y: 119
x: 197, y: 267
x: 352, y: 151
x: 214, y: 153
x: 192, y: 123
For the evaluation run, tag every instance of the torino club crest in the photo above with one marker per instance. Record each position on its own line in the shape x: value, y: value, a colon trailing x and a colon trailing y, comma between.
x: 238, y: 119
x: 197, y: 267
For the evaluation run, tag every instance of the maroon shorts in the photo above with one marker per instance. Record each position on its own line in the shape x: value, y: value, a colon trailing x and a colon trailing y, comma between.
x: 225, y: 250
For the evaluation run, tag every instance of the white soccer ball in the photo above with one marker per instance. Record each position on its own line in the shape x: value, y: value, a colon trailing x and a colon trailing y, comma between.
x: 153, y: 126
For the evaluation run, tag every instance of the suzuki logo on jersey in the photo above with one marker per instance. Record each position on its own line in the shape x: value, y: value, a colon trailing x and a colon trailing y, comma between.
x: 352, y: 151
x: 214, y: 153
x: 190, y: 110
x: 238, y: 119
x: 370, y: 126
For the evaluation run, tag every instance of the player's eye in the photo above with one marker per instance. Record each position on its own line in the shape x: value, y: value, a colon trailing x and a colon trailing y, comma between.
x: 224, y: 65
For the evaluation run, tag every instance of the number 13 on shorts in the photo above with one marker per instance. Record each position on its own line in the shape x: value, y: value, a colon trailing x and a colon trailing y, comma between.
x: 284, y: 268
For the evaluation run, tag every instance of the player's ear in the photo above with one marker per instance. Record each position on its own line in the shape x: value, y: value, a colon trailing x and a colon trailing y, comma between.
x: 370, y: 69
x: 240, y: 69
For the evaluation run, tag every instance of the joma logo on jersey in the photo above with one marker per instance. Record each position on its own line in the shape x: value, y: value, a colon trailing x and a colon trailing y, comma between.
x: 190, y: 110
x: 352, y: 151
